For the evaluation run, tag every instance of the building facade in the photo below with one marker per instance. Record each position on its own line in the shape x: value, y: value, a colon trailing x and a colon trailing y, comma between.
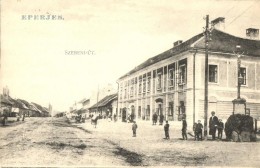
x: 172, y: 83
x: 106, y: 106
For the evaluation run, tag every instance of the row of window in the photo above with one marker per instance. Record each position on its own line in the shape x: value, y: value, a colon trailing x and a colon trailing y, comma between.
x: 142, y: 84
x: 159, y: 110
x: 213, y: 74
x: 144, y: 81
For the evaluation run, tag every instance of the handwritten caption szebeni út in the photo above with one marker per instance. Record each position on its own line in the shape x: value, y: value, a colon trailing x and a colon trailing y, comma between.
x: 84, y: 52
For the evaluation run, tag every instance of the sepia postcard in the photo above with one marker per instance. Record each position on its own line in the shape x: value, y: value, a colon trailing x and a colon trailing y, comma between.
x: 130, y: 83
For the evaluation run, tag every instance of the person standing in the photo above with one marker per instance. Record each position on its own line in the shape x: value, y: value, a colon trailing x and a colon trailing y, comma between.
x: 213, y: 124
x: 154, y: 119
x: 184, y: 129
x: 4, y: 121
x: 115, y: 117
x: 23, y: 116
x: 134, y: 128
x: 161, y: 119
x: 220, y: 129
x: 166, y: 130
x: 194, y: 130
x: 198, y: 130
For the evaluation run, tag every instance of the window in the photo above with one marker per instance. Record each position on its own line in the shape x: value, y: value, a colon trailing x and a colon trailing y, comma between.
x: 171, y: 78
x: 148, y: 84
x: 125, y: 94
x: 121, y: 91
x: 243, y: 74
x: 148, y: 110
x: 132, y: 88
x: 140, y: 85
x: 159, y: 81
x: 144, y: 85
x: 135, y: 87
x: 170, y: 109
x: 182, y: 74
x: 213, y: 73
x: 139, y: 111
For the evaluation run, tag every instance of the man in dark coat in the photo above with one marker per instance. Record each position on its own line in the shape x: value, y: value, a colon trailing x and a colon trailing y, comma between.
x: 198, y: 130
x: 220, y: 129
x: 184, y: 129
x: 213, y: 124
x: 166, y: 130
x: 4, y: 121
x: 194, y: 130
x: 161, y: 119
x: 134, y: 128
x: 154, y: 118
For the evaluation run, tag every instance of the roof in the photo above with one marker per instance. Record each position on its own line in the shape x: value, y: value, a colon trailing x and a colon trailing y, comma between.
x: 24, y: 102
x: 224, y: 42
x: 21, y: 104
x: 17, y: 103
x: 5, y: 100
x: 39, y: 107
x: 219, y: 19
x: 103, y: 102
x: 167, y: 54
x: 33, y: 107
x: 221, y: 42
x: 45, y: 109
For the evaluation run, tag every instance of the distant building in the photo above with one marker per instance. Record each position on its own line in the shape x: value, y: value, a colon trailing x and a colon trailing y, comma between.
x: 172, y: 83
x: 6, y: 105
x: 83, y: 105
x: 106, y: 106
x: 102, y: 92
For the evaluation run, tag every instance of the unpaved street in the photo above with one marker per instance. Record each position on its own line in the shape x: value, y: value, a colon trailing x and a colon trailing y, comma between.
x: 57, y: 142
x: 43, y: 141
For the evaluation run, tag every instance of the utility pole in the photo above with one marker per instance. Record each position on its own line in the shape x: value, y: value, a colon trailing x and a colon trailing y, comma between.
x: 239, y: 76
x: 206, y: 33
x: 97, y: 99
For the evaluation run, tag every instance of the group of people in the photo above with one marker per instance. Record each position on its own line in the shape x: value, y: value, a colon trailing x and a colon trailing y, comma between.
x: 155, y: 119
x: 214, y: 125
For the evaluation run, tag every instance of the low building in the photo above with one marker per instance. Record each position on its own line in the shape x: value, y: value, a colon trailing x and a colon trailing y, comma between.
x: 6, y: 105
x: 106, y: 106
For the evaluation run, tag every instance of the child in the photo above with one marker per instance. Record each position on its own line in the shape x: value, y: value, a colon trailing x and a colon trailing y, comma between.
x: 134, y: 127
x: 184, y: 129
x: 194, y: 130
x: 166, y: 130
x: 198, y: 130
x: 220, y: 129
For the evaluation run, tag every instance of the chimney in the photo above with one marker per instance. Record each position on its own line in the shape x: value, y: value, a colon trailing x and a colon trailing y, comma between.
x: 252, y: 33
x: 177, y: 43
x: 218, y: 23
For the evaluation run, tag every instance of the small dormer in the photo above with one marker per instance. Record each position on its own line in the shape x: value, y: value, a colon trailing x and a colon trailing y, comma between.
x: 252, y: 33
x: 218, y: 23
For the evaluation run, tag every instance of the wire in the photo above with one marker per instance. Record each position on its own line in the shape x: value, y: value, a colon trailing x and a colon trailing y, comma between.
x: 241, y: 14
x: 229, y: 9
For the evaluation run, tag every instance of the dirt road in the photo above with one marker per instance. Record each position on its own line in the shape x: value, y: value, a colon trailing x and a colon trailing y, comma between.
x: 47, y: 142
x: 55, y: 142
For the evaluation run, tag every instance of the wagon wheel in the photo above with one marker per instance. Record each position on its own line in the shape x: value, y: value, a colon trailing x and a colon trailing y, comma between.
x: 245, y: 136
x: 235, y: 136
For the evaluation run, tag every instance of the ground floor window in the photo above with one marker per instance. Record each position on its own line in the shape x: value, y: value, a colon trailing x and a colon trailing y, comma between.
x: 181, y: 111
x: 148, y: 112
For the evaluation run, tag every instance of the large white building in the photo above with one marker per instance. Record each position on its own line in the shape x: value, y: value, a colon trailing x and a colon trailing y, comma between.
x: 172, y: 83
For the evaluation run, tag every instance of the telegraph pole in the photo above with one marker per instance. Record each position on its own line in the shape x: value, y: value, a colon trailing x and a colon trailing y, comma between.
x: 206, y: 33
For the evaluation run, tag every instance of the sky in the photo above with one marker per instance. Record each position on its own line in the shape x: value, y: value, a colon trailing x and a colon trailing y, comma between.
x: 121, y: 35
